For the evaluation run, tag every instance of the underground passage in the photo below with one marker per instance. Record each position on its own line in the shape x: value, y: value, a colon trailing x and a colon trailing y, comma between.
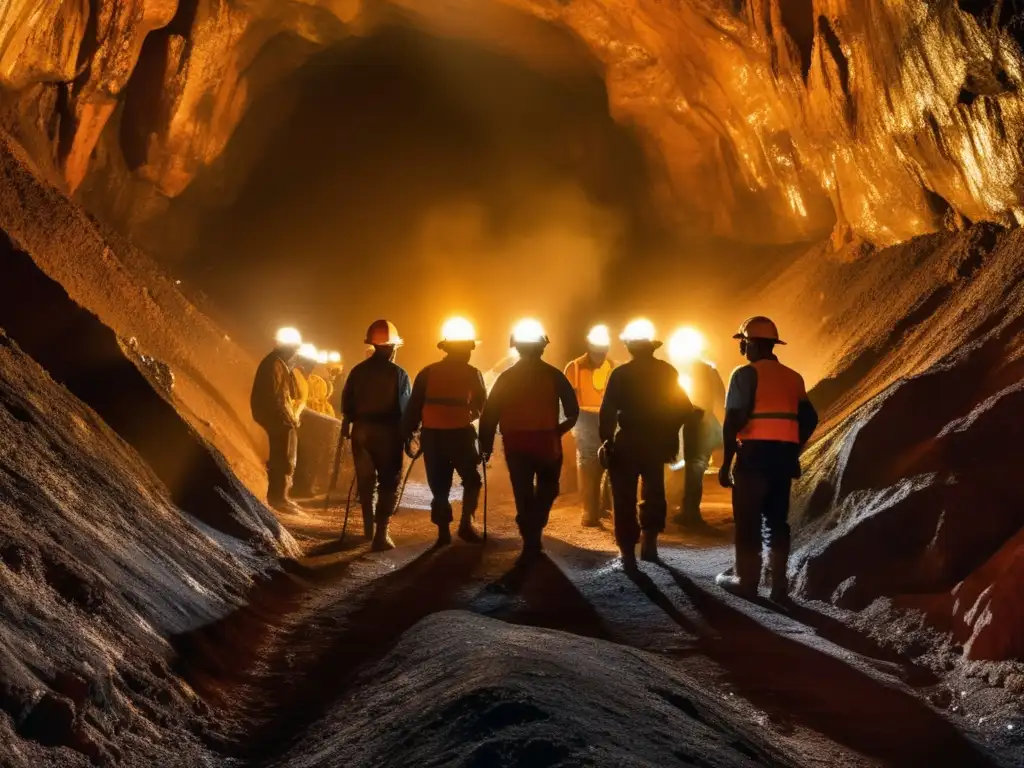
x: 493, y: 383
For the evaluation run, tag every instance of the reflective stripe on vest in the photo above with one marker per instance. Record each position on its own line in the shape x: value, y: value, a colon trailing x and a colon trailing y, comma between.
x: 449, y: 391
x: 776, y: 404
x: 531, y: 405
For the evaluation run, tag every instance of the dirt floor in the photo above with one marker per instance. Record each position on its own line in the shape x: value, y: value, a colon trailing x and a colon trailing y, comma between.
x: 366, y: 639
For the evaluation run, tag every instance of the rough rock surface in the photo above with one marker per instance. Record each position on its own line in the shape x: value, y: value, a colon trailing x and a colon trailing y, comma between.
x: 912, y: 485
x: 98, y: 569
x: 127, y: 293
x: 461, y: 690
x: 775, y: 119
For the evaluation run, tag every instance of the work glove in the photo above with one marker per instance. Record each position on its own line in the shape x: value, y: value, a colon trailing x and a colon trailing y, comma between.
x: 725, y: 477
x: 606, y: 454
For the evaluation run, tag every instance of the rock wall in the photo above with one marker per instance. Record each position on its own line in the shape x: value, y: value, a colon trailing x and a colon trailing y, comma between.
x: 775, y: 120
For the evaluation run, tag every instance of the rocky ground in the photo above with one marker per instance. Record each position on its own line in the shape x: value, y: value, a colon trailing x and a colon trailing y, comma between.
x: 421, y: 654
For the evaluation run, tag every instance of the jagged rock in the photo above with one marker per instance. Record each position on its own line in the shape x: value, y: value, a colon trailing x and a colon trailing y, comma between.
x: 772, y: 118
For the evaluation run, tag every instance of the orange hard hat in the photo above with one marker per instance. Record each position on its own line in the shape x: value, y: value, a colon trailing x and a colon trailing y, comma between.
x: 759, y: 327
x: 382, y: 333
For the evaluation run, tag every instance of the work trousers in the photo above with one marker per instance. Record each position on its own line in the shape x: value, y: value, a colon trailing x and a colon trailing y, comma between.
x: 377, y: 449
x: 445, y: 452
x: 281, y: 464
x: 535, y: 488
x: 589, y: 471
x: 700, y: 438
x: 760, y: 502
x: 627, y: 472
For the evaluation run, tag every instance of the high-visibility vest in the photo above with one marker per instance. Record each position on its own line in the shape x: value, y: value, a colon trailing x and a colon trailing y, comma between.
x: 589, y: 383
x: 776, y: 404
x: 531, y: 405
x: 450, y: 389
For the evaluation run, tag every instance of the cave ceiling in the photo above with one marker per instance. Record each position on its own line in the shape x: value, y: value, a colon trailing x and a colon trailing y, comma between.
x: 771, y: 120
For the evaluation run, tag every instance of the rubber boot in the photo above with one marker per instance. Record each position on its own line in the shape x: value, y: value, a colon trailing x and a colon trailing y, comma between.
x: 589, y: 481
x: 778, y: 557
x: 444, y: 535
x: 606, y: 497
x: 744, y: 577
x: 628, y: 554
x: 467, y: 532
x: 382, y: 541
x: 649, y: 546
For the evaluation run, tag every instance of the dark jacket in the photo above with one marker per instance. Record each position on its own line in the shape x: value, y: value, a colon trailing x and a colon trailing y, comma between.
x: 273, y: 393
x: 376, y: 391
x: 645, y: 402
x: 526, y: 377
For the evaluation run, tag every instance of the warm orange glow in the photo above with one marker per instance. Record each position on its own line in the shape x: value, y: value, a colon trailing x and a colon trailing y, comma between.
x: 685, y: 345
x: 334, y: 358
x: 288, y: 337
x: 686, y: 382
x: 458, y: 329
x: 528, y: 331
x: 640, y: 329
x: 599, y: 336
x: 308, y: 352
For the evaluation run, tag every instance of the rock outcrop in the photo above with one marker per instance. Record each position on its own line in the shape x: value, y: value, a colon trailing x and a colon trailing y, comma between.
x: 775, y: 120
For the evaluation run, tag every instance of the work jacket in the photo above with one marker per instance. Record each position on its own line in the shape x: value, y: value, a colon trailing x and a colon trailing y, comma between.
x: 376, y: 392
x: 448, y: 394
x: 589, y: 382
x: 274, y: 393
x: 648, y: 407
x: 524, y: 404
x: 777, y: 397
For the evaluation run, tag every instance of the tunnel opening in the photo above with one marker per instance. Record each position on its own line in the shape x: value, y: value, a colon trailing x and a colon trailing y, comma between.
x: 413, y: 176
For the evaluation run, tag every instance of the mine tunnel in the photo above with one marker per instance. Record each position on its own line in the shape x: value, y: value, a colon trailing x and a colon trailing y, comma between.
x: 511, y: 383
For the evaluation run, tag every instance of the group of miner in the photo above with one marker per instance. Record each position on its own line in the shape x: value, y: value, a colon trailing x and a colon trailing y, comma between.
x: 629, y: 421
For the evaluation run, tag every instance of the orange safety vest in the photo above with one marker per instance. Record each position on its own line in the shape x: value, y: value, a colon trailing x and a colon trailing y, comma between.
x: 776, y: 404
x: 532, y: 406
x: 449, y: 392
x: 589, y: 383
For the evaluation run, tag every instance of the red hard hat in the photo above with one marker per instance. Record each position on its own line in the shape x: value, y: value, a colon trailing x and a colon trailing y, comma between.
x: 759, y: 327
x: 383, y: 333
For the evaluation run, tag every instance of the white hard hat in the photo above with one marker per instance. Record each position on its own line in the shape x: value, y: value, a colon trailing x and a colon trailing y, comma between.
x: 308, y: 352
x: 640, y: 329
x: 458, y: 330
x: 528, y: 331
x: 599, y: 336
x: 288, y: 337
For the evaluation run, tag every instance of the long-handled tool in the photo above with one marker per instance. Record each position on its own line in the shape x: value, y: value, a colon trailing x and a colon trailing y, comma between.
x: 348, y: 507
x: 414, y: 455
x: 337, y: 469
x: 485, y: 498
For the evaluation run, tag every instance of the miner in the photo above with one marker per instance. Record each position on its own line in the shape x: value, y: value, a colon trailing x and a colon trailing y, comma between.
x: 273, y: 403
x: 644, y: 409
x: 588, y: 375
x: 447, y: 397
x: 768, y: 419
x: 372, y: 403
x: 524, y: 404
x: 703, y: 433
